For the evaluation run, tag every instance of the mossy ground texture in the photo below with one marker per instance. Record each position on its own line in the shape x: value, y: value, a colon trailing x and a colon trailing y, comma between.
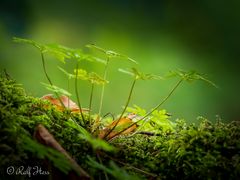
x: 204, y: 151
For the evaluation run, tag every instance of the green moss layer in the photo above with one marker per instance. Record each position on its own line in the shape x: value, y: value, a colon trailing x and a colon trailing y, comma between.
x: 206, y: 151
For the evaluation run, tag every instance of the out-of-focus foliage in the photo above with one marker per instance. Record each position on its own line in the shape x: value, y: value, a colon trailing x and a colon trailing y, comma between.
x: 160, y: 35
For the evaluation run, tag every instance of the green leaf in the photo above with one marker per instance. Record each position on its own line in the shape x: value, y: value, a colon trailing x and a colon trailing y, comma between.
x: 73, y: 53
x: 69, y: 75
x: 126, y: 72
x: 139, y: 75
x: 137, y: 110
x: 100, y: 60
x: 94, y: 78
x: 110, y: 53
x: 28, y: 41
x: 190, y: 76
x: 52, y: 49
x: 81, y: 74
x: 92, y: 46
x: 160, y: 120
x: 57, y: 52
x: 56, y: 89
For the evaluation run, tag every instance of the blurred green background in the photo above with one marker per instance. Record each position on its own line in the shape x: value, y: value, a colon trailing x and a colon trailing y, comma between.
x: 161, y: 35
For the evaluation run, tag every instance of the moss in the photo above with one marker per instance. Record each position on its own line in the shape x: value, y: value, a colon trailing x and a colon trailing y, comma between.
x: 206, y: 151
x: 20, y: 114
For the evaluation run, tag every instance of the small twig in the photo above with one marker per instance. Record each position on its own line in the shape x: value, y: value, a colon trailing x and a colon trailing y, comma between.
x: 44, y: 137
x: 148, y: 133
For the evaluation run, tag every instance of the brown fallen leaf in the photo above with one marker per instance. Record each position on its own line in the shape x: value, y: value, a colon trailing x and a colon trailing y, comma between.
x: 122, y: 124
x: 68, y: 103
x: 46, y: 138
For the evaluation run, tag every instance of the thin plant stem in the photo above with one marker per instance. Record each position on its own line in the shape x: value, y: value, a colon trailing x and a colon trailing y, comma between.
x: 127, y: 103
x: 45, y: 70
x: 68, y: 88
x: 96, y: 122
x: 49, y: 80
x: 90, y: 103
x: 103, y: 87
x: 155, y: 108
x: 76, y: 91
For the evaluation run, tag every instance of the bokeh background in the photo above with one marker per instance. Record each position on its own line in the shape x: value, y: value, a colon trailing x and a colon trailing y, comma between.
x: 161, y: 35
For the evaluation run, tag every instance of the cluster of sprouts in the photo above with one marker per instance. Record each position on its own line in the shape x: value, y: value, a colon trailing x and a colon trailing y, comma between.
x: 62, y: 53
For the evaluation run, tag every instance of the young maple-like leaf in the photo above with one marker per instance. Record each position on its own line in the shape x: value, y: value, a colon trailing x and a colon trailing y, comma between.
x: 58, y: 51
x: 45, y: 48
x: 139, y: 75
x: 68, y: 103
x: 94, y: 78
x: 77, y: 54
x: 81, y: 74
x: 56, y: 89
x: 190, y: 76
x: 69, y: 75
x: 110, y: 53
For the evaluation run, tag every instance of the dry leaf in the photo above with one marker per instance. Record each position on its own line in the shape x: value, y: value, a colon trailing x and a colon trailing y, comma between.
x: 68, y: 103
x: 122, y: 124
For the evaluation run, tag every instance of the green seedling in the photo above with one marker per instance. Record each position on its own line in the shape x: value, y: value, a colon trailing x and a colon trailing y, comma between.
x: 77, y: 55
x: 94, y: 79
x: 45, y: 48
x: 69, y: 77
x: 62, y: 53
x: 189, y: 76
x: 137, y: 75
x: 109, y: 54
